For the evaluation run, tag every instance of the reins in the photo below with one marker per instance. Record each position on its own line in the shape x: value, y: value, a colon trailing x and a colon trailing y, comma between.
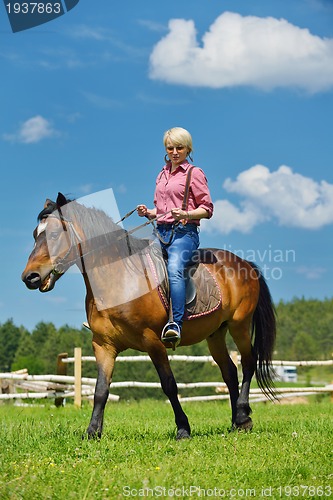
x: 150, y: 221
x: 126, y: 216
x: 75, y: 240
x: 153, y: 220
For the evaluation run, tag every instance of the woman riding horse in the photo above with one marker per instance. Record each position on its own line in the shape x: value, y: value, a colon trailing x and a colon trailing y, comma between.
x: 182, y: 194
x: 125, y: 311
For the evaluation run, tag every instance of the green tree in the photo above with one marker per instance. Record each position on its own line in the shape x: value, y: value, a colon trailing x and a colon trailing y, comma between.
x: 40, y: 334
x: 312, y: 318
x: 304, y: 347
x: 9, y: 341
x: 26, y: 357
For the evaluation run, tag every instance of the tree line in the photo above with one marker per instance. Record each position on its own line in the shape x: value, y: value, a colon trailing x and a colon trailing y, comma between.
x: 304, y: 332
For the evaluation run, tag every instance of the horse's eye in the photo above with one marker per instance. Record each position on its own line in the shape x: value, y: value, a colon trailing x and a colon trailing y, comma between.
x: 54, y: 235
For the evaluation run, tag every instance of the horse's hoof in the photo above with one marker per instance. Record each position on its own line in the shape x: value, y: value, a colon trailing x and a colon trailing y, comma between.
x: 244, y: 426
x: 183, y: 434
x: 92, y: 435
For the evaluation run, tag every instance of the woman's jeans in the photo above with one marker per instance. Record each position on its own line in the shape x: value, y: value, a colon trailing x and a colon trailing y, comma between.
x: 180, y: 252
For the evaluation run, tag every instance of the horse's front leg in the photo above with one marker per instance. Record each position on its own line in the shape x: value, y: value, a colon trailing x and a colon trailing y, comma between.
x: 159, y: 357
x: 105, y: 359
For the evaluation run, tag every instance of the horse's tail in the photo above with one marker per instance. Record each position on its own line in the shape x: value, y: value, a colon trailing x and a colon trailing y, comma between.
x: 264, y: 334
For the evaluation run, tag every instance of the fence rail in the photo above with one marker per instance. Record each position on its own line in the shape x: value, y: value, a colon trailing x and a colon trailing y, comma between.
x: 61, y: 385
x: 202, y: 359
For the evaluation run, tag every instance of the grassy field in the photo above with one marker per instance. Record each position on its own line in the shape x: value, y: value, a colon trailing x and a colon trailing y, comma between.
x: 288, y: 454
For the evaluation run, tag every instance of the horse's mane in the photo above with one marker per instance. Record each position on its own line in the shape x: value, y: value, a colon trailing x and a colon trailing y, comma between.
x: 96, y: 225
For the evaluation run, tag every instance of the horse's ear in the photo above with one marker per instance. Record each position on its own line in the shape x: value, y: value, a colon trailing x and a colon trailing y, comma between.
x: 48, y: 203
x: 61, y: 200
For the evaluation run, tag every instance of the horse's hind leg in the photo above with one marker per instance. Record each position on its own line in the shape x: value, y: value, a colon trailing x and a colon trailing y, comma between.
x: 240, y: 333
x: 219, y: 351
x: 159, y: 357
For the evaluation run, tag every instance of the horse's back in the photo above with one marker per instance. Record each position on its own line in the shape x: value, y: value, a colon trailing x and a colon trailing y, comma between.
x: 237, y: 278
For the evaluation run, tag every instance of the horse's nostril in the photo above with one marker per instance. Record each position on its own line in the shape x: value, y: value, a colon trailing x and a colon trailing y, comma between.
x: 33, y: 277
x: 32, y: 280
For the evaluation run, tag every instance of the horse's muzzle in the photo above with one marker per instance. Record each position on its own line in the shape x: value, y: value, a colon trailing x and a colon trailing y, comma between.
x: 34, y: 281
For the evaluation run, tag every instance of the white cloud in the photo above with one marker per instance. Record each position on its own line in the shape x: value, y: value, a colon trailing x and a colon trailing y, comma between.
x: 86, y: 188
x: 108, y: 37
x: 311, y: 273
x: 87, y: 32
x: 289, y: 198
x: 101, y: 101
x: 228, y: 218
x: 243, y: 50
x: 32, y: 131
x: 152, y: 25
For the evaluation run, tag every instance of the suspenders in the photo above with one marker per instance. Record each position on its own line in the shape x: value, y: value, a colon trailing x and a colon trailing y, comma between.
x: 187, y: 188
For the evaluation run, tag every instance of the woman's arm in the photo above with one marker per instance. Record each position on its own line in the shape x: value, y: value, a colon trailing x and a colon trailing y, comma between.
x: 197, y: 213
x: 143, y: 211
x: 201, y: 194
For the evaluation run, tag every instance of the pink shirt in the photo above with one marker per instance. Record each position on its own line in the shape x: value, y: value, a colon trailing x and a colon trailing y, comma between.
x: 170, y: 189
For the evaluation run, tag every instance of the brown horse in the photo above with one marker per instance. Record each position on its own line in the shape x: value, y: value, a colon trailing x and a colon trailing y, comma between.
x: 125, y: 311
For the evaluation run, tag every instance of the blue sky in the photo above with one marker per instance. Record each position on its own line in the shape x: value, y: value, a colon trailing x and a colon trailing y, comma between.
x: 86, y: 98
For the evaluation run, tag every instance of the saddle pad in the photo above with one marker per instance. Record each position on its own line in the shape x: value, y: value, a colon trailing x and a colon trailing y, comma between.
x: 208, y: 294
x: 208, y: 297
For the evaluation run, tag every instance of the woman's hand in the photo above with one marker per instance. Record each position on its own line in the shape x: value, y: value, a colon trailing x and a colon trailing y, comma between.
x: 179, y: 214
x: 142, y: 210
x: 196, y: 214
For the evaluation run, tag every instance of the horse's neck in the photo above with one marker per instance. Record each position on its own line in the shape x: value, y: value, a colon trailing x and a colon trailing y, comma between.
x: 113, y: 275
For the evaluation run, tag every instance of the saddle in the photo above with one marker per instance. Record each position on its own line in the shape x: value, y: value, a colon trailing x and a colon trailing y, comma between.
x: 203, y: 295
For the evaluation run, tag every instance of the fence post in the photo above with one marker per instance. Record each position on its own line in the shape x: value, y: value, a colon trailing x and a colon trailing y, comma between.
x: 61, y: 370
x: 77, y: 376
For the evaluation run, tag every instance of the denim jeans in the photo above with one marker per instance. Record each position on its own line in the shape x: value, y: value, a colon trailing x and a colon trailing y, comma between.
x: 184, y: 242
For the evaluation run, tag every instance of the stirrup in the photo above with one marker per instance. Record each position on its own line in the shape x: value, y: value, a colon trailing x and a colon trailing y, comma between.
x: 171, y: 334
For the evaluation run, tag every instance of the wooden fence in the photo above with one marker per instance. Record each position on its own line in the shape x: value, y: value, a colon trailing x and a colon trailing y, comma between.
x: 62, y: 386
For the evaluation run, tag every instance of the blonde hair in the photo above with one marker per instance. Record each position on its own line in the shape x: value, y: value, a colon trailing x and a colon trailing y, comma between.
x: 179, y: 137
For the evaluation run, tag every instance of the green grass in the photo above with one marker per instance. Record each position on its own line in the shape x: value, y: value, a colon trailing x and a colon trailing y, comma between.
x: 43, y: 456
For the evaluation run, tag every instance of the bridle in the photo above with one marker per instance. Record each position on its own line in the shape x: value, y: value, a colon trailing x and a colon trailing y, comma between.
x: 75, y: 241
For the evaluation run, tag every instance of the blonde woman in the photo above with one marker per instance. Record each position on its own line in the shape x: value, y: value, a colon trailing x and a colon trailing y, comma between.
x: 182, y: 195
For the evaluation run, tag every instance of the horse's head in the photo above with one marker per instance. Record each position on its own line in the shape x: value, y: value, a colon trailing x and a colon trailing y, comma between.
x: 55, y: 248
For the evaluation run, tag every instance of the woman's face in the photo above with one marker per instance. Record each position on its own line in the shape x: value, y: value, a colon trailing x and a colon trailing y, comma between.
x: 177, y: 154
